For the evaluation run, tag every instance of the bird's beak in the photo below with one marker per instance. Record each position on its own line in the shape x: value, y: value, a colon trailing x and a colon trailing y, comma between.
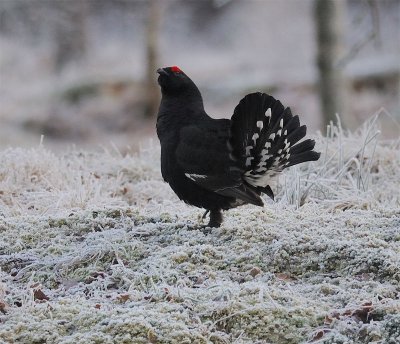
x: 162, y: 71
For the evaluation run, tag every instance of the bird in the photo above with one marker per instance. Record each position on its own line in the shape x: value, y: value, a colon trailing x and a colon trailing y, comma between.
x: 219, y: 164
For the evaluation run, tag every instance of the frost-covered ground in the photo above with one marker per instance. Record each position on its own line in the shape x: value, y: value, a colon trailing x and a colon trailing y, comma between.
x: 95, y: 248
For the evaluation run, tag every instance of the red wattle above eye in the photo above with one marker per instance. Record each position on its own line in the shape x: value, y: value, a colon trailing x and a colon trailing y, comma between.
x: 176, y: 69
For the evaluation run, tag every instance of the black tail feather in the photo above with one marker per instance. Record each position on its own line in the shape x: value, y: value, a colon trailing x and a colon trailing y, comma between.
x: 303, y: 157
x: 263, y: 138
x: 306, y: 145
x: 297, y: 134
x: 268, y: 191
x: 292, y: 124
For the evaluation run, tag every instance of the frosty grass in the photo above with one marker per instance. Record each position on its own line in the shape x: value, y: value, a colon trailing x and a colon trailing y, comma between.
x: 96, y: 248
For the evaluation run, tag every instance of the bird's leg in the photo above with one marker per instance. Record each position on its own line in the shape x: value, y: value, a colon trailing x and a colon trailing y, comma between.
x: 205, y: 214
x: 215, y: 218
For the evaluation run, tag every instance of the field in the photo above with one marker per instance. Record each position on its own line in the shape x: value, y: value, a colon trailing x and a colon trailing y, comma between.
x: 96, y: 248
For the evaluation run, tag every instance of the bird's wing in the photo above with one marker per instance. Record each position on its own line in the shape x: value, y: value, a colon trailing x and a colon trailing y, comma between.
x: 204, y: 156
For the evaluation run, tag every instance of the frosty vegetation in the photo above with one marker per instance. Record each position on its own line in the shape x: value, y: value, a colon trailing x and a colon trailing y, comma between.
x: 96, y: 248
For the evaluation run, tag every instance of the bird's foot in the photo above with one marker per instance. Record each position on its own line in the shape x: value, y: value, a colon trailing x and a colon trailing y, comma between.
x: 215, y: 221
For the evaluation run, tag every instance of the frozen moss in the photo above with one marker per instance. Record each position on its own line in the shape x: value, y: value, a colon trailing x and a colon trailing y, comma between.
x: 119, y: 259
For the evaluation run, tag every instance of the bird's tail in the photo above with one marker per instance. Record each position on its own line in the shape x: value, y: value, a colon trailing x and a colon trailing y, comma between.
x: 264, y: 138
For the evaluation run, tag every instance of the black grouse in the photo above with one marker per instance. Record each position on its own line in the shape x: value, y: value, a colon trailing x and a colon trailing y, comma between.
x: 218, y: 164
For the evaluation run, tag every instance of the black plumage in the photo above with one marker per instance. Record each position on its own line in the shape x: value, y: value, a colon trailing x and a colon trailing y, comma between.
x: 218, y: 164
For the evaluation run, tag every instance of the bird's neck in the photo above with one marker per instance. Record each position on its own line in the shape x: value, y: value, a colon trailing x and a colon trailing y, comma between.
x: 178, y: 111
x: 189, y: 102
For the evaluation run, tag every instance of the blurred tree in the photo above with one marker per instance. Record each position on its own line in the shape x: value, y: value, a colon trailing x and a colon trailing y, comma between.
x: 69, y: 31
x: 329, y: 29
x: 372, y: 35
x: 152, y: 32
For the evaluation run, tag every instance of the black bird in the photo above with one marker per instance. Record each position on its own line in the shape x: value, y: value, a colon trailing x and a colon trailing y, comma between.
x: 218, y: 164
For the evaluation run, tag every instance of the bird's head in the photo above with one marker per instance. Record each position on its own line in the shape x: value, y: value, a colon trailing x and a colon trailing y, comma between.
x: 173, y: 81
